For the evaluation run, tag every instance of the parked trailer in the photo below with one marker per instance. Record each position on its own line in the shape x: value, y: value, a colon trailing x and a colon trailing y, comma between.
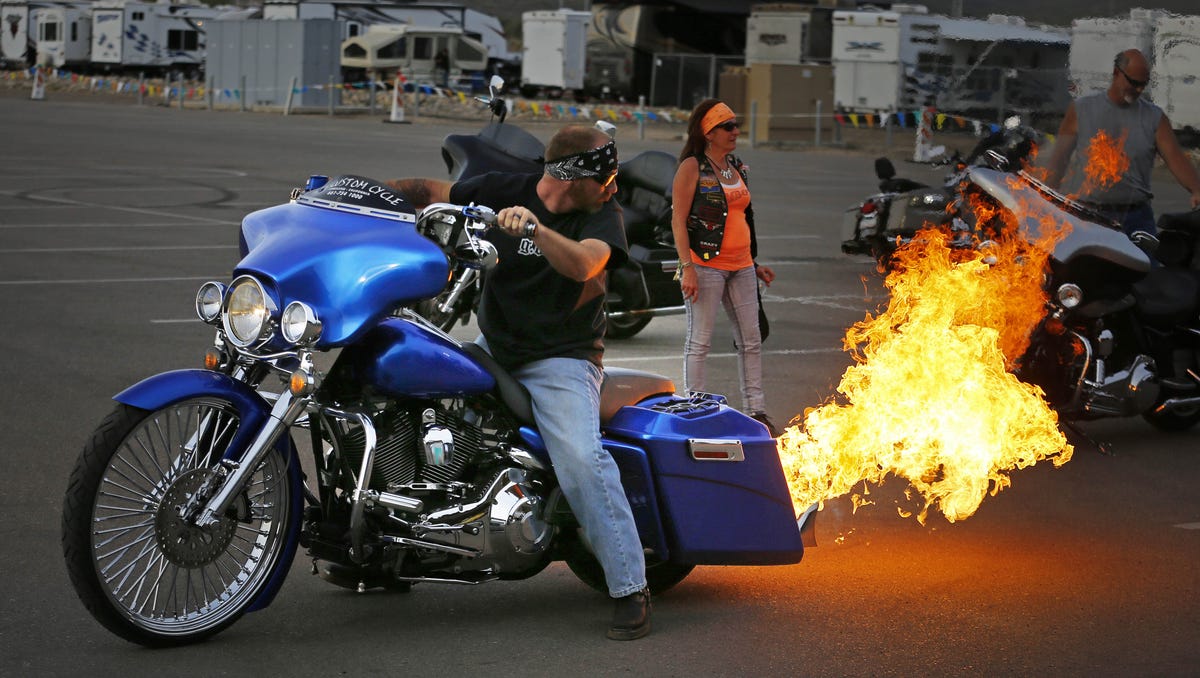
x: 62, y: 35
x: 129, y: 34
x: 903, y: 61
x: 1095, y: 41
x: 555, y: 54
x: 359, y: 15
x: 1176, y: 80
x: 18, y: 43
x: 386, y: 48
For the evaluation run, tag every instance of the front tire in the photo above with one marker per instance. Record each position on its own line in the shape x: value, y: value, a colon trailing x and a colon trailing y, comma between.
x: 144, y: 572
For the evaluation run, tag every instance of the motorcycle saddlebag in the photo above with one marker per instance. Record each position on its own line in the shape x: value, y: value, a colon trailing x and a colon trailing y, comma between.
x: 721, y: 491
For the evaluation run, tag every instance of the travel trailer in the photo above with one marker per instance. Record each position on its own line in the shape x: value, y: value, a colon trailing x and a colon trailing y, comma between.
x: 130, y: 34
x: 18, y: 43
x: 1095, y: 41
x: 62, y: 35
x: 1175, y: 83
x: 385, y: 48
x: 903, y: 61
x: 359, y: 15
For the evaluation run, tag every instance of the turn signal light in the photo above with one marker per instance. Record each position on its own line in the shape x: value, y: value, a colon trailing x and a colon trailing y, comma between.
x: 214, y: 359
x: 301, y: 383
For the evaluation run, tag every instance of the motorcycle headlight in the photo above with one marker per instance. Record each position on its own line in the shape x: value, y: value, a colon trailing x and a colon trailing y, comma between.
x: 247, y: 316
x: 1069, y: 295
x: 208, y: 301
x: 299, y: 324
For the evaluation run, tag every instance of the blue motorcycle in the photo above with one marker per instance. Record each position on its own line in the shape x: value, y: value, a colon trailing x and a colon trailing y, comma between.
x: 421, y: 460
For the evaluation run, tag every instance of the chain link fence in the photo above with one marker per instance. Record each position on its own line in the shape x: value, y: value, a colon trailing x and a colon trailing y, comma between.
x: 684, y: 80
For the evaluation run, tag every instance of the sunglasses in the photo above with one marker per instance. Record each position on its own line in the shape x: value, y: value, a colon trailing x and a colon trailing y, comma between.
x: 731, y: 125
x: 605, y: 182
x: 1137, y: 84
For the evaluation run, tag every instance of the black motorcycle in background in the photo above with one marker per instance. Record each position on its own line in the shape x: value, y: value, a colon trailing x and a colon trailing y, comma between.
x: 1121, y: 334
x: 644, y: 287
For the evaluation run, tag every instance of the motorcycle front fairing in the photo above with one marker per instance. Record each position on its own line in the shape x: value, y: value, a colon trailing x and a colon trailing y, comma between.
x: 351, y: 268
x: 1087, y: 248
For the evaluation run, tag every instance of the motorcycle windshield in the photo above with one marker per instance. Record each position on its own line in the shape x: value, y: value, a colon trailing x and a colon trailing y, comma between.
x: 1085, y: 238
x: 353, y: 264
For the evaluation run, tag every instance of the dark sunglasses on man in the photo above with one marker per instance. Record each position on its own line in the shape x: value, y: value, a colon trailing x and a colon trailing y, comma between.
x: 1136, y: 84
x: 605, y: 182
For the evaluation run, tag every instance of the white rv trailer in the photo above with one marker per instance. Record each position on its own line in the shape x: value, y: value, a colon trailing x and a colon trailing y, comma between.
x: 62, y: 35
x: 385, y: 48
x: 358, y: 15
x: 1095, y: 41
x: 136, y: 34
x: 18, y: 43
x: 902, y: 61
x: 1175, y: 80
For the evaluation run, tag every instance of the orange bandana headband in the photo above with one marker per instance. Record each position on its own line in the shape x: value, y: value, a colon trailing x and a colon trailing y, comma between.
x: 715, y: 116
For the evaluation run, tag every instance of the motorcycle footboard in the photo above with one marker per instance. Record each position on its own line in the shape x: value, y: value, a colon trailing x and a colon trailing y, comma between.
x: 720, y: 487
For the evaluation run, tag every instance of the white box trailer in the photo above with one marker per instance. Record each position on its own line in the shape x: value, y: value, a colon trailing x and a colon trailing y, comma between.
x: 135, y: 34
x: 555, y: 52
x: 1175, y: 82
x: 62, y: 35
x: 1095, y: 41
x: 867, y: 68
x: 777, y: 34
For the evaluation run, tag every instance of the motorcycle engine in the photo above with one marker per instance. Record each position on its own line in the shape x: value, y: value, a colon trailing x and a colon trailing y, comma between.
x: 477, y: 505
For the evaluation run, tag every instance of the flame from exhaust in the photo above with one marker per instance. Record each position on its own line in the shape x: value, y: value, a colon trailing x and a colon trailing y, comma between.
x: 931, y: 398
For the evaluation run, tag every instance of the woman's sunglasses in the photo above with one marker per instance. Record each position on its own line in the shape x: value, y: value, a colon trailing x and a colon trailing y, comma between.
x: 729, y: 126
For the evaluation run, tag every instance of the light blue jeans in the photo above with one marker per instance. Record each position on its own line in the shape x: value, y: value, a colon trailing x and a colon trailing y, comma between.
x: 566, y: 408
x: 737, y: 291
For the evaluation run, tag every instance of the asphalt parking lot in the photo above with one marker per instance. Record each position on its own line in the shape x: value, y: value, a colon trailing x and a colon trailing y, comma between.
x: 111, y: 215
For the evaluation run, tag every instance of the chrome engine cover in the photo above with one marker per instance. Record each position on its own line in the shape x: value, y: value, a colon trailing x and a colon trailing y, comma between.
x: 505, y: 525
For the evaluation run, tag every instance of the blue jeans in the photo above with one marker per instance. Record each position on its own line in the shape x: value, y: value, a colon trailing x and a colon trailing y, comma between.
x: 566, y: 408
x: 737, y: 291
x: 1140, y: 218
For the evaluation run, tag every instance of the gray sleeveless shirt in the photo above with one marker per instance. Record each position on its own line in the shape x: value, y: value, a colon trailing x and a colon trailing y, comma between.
x: 1140, y: 119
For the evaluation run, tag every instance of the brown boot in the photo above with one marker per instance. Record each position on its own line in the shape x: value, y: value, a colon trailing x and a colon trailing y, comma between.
x: 631, y: 619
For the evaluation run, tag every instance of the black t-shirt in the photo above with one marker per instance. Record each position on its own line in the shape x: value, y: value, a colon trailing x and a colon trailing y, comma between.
x: 529, y: 311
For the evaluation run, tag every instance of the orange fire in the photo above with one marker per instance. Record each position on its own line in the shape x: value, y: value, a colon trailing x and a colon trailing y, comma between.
x: 1105, y: 162
x: 931, y: 398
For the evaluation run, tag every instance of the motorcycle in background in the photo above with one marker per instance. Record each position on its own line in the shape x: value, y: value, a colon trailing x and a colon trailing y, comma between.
x: 1121, y: 336
x: 641, y: 289
x: 888, y: 220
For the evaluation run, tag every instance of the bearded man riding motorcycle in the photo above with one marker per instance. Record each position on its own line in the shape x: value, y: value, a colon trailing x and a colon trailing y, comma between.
x: 542, y: 319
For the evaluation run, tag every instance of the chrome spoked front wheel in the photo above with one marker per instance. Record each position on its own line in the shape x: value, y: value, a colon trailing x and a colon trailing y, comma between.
x: 139, y: 562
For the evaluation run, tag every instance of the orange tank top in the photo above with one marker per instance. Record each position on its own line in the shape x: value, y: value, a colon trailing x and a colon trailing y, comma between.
x: 735, y: 245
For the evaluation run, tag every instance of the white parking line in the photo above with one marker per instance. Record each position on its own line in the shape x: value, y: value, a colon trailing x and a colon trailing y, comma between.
x: 1188, y: 526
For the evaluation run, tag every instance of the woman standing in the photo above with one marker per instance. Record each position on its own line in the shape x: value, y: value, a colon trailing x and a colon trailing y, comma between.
x: 713, y: 225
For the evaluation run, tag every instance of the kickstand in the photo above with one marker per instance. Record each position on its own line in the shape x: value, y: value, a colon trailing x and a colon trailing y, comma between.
x: 1076, y: 432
